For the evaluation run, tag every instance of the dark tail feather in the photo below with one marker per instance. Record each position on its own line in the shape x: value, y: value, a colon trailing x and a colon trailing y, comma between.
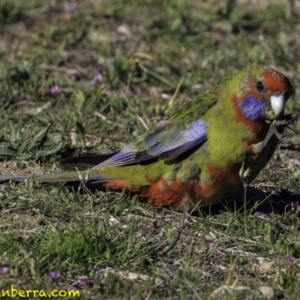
x: 82, y: 163
x: 72, y: 178
x: 4, y: 178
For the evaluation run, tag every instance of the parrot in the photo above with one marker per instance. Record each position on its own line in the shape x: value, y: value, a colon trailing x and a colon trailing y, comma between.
x: 204, y: 153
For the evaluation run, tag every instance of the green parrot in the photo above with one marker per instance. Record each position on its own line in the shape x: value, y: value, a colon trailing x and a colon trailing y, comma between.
x: 202, y: 154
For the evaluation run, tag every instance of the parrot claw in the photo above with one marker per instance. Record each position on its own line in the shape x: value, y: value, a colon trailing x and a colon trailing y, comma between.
x: 278, y: 125
x: 257, y: 148
x: 287, y: 120
x: 275, y: 129
x: 280, y: 136
x: 244, y: 174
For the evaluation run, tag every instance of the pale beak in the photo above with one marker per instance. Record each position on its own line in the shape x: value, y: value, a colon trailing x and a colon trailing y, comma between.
x: 277, y: 104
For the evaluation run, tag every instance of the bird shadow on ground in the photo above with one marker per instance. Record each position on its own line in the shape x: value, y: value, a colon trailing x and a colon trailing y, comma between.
x: 258, y: 201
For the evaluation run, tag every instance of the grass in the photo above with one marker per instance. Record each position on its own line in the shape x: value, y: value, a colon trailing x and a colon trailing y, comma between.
x: 152, y: 56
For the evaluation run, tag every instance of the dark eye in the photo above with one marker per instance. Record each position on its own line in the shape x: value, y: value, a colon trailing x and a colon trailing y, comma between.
x: 259, y: 86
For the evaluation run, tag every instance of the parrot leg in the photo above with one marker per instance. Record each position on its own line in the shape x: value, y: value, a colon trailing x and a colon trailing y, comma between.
x: 276, y: 128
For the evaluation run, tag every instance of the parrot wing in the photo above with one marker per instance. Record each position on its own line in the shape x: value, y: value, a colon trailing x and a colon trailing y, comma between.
x: 165, y: 142
x: 184, y: 131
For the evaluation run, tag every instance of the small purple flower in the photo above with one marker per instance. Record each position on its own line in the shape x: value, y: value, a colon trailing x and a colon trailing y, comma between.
x: 72, y: 288
x: 54, y: 275
x: 54, y: 89
x: 4, y: 270
x: 69, y: 8
x: 96, y: 79
x: 290, y: 258
x: 82, y: 281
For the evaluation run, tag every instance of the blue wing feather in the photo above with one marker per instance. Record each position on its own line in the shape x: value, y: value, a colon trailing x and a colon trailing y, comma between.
x: 166, y: 141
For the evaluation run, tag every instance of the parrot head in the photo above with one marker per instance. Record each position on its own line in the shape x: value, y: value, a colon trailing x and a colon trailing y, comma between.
x: 262, y: 94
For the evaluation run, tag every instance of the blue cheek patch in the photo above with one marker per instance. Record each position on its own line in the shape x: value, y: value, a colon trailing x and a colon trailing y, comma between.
x: 253, y: 109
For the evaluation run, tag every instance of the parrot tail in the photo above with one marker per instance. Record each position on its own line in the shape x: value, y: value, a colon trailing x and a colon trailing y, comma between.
x: 90, y: 178
x: 71, y: 178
